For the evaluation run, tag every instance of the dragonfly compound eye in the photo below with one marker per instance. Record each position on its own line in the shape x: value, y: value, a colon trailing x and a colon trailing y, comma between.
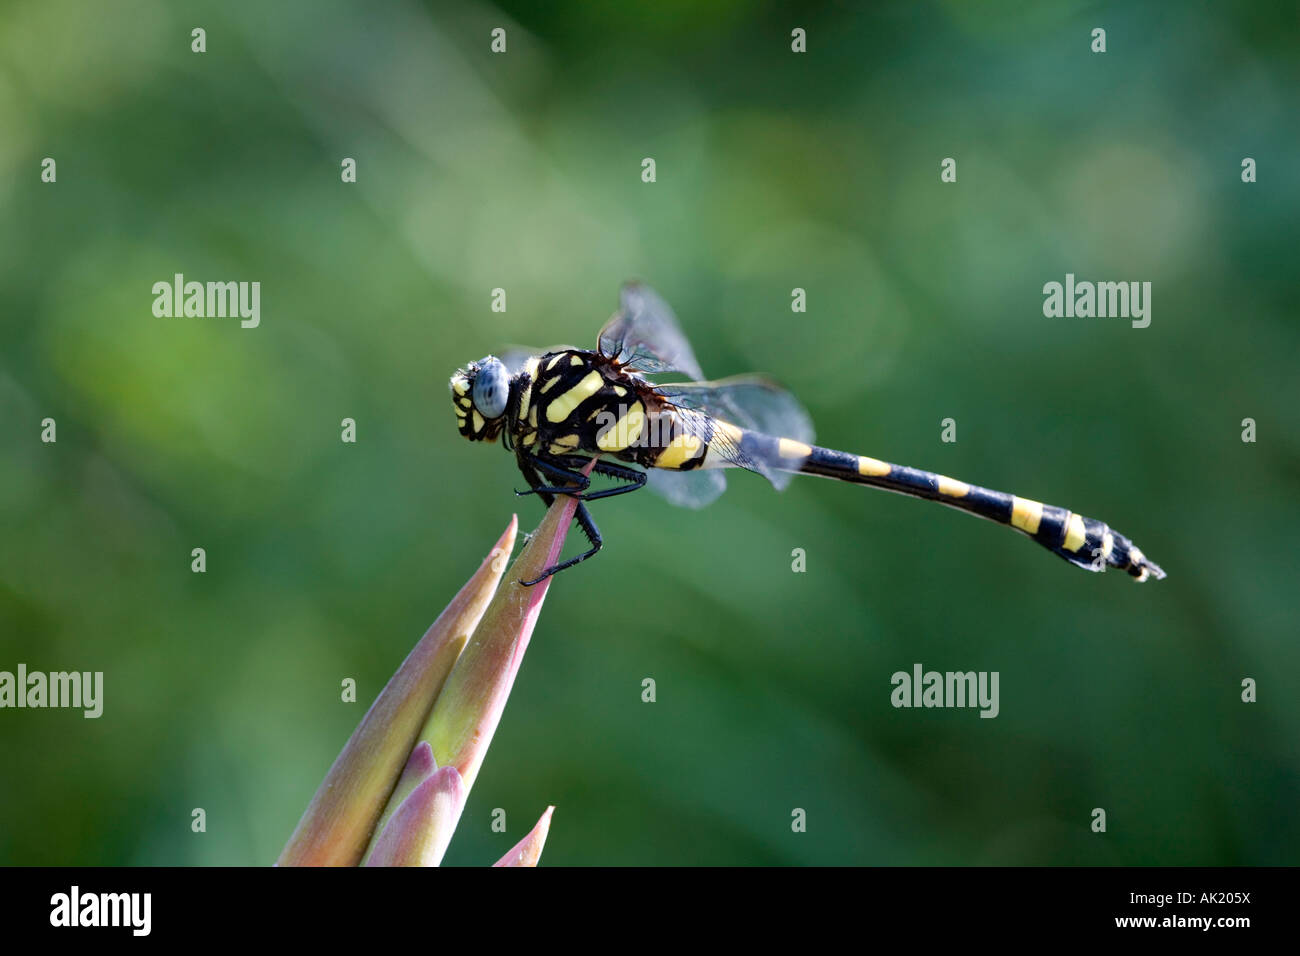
x: 491, y: 388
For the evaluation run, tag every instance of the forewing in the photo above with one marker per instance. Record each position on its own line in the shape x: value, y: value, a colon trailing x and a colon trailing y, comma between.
x: 643, y: 335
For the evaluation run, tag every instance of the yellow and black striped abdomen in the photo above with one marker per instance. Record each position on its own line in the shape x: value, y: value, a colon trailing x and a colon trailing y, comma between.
x: 1084, y: 542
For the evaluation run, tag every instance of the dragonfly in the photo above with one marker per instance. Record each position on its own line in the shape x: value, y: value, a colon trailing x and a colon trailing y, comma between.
x: 559, y: 409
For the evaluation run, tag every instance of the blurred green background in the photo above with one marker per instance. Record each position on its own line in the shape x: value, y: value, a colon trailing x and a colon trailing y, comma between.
x: 775, y: 170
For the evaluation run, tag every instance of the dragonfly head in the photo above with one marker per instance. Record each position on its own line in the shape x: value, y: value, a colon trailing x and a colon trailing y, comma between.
x: 479, y: 393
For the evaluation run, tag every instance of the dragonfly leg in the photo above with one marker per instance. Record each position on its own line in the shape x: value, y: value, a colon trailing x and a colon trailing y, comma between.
x: 561, y: 468
x: 535, y: 482
x: 575, y: 481
x: 589, y: 529
x: 564, y: 468
x: 636, y: 479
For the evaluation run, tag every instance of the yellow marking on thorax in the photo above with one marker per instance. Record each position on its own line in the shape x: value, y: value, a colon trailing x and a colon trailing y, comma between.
x: 575, y: 360
x: 550, y: 382
x: 1026, y: 514
x: 789, y: 448
x: 478, y: 421
x: 526, y: 396
x: 625, y: 431
x: 1107, y: 544
x: 562, y: 405
x: 952, y: 488
x: 680, y: 450
x: 527, y: 440
x: 564, y: 443
x: 532, y: 416
x: 459, y: 385
x: 1075, y: 533
x: 620, y: 391
x: 873, y: 467
x: 551, y: 364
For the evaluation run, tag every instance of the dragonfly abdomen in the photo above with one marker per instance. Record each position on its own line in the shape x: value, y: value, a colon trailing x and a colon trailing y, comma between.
x: 1084, y: 542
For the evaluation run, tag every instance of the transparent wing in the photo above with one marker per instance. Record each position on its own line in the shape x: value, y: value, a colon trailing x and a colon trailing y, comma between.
x: 754, y: 403
x: 687, y: 489
x: 643, y: 335
x: 750, y: 401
